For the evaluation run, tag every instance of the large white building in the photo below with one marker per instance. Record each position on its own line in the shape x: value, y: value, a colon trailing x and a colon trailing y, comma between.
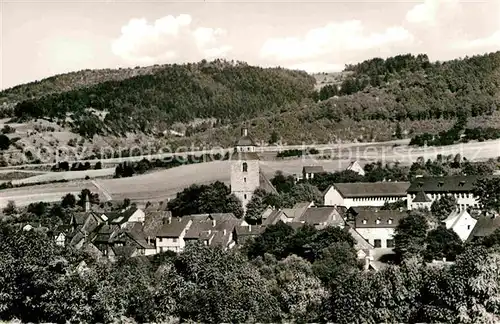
x: 425, y: 190
x: 364, y: 193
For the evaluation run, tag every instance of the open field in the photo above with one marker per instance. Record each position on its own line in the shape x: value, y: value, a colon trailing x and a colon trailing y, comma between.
x: 166, y: 183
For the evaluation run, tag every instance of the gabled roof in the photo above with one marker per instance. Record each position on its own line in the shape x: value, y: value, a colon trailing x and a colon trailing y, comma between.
x: 372, y: 189
x: 273, y: 218
x: 443, y: 184
x: 421, y: 197
x: 220, y: 217
x: 197, y: 227
x: 295, y: 212
x: 124, y: 251
x: 313, y: 169
x: 121, y: 216
x: 220, y: 238
x: 153, y: 221
x: 321, y: 215
x: 386, y: 218
x: 361, y: 243
x: 174, y: 228
x: 353, y: 164
x: 246, y: 140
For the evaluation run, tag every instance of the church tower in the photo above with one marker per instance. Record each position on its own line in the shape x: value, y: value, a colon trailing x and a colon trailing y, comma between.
x: 245, y: 168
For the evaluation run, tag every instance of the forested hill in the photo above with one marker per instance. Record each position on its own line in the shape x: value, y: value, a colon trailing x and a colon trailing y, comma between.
x: 174, y: 93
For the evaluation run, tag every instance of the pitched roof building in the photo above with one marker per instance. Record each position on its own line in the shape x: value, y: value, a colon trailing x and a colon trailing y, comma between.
x: 364, y: 193
x: 425, y: 190
x: 375, y: 225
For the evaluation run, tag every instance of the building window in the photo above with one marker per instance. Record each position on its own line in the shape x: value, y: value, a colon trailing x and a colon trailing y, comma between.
x: 244, y: 179
x: 468, y: 227
x: 377, y: 243
x: 160, y: 239
x: 245, y: 196
x: 245, y: 167
x: 174, y: 240
x: 390, y: 243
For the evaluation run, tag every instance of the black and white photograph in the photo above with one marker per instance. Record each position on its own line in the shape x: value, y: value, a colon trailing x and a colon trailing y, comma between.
x: 262, y: 161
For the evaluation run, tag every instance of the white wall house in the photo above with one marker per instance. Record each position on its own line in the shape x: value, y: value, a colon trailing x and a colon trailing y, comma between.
x: 425, y: 190
x: 374, y: 225
x: 364, y: 193
x: 308, y: 172
x: 461, y: 222
x: 356, y: 167
x: 171, y: 235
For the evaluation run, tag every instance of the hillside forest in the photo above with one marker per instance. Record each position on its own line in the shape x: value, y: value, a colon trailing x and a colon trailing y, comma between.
x: 376, y: 97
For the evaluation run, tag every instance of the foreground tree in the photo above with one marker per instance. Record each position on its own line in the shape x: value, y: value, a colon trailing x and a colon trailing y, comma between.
x: 213, y: 198
x: 410, y: 235
x: 442, y: 243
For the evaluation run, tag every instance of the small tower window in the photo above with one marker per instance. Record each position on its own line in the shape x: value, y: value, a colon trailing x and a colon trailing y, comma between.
x: 245, y: 196
x: 245, y: 179
x: 245, y: 167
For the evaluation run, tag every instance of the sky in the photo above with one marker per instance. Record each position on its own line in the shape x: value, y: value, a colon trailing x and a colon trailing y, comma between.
x: 42, y: 38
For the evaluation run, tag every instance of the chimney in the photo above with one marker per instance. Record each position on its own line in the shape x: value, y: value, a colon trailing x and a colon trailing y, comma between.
x: 224, y: 232
x: 213, y: 222
x: 244, y: 131
x: 249, y: 228
x: 169, y: 219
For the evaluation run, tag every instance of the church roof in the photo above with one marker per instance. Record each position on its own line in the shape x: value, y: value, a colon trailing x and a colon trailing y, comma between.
x: 246, y: 140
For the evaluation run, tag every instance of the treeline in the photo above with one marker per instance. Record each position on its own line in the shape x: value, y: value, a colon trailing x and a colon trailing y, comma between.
x: 174, y: 93
x: 409, y: 87
x: 297, y: 153
x: 65, y: 166
x: 128, y: 169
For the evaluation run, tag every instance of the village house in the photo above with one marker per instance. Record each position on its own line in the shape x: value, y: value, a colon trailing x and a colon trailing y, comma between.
x: 321, y: 217
x: 424, y: 191
x: 309, y: 171
x: 171, y: 235
x: 375, y: 225
x: 211, y: 229
x: 461, y: 222
x: 375, y: 194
